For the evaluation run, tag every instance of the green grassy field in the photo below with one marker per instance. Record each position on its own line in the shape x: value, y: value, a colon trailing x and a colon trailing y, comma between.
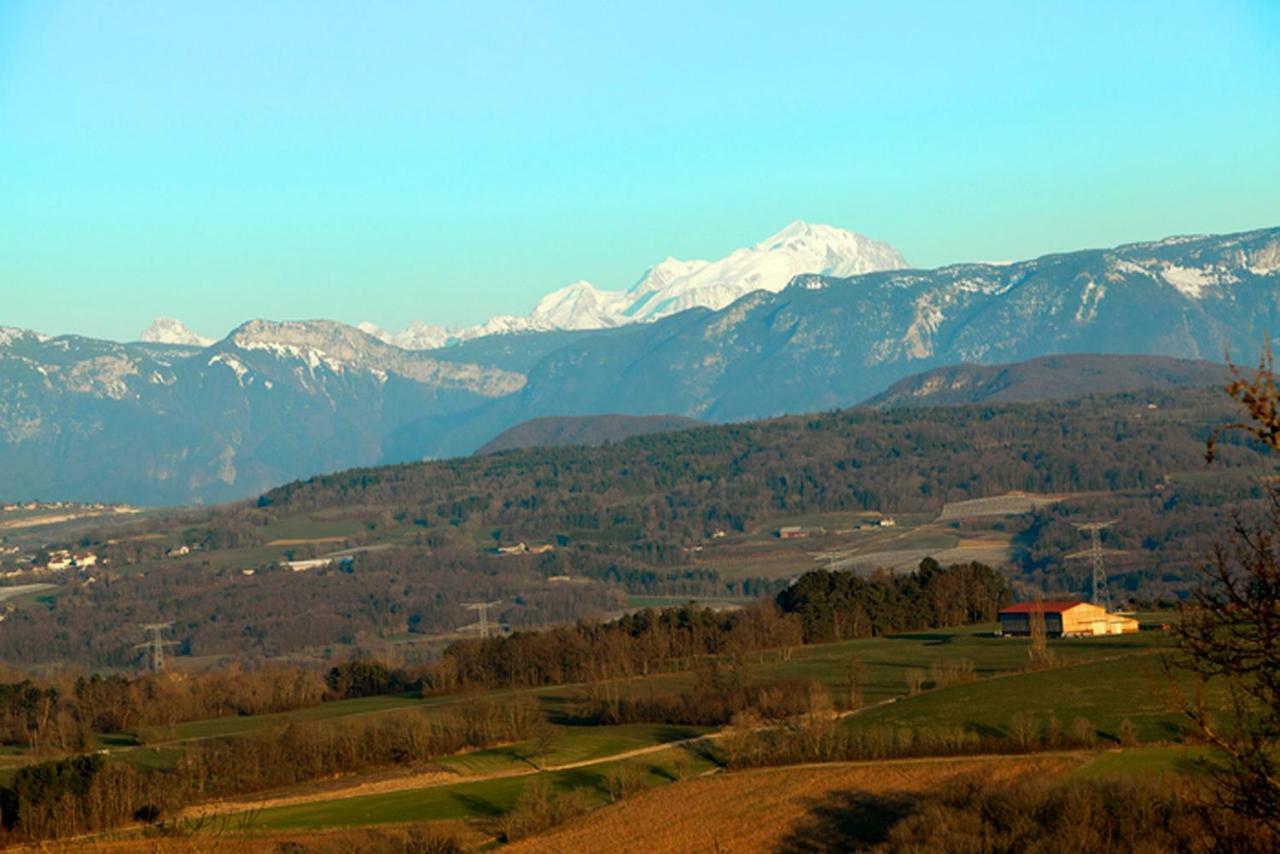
x: 884, y: 661
x: 1142, y: 762
x: 1106, y: 692
x: 574, y: 744
x: 217, y: 727
x: 479, y: 800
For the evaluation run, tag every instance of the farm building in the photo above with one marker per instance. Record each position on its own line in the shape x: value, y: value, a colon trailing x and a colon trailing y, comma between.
x: 795, y: 532
x: 1065, y: 619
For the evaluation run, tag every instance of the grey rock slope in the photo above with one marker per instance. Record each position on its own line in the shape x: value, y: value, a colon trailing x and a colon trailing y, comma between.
x: 151, y: 423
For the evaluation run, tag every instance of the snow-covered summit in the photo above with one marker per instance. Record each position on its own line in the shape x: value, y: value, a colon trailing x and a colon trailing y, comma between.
x: 170, y: 330
x: 769, y: 265
x: 674, y: 285
x: 418, y: 335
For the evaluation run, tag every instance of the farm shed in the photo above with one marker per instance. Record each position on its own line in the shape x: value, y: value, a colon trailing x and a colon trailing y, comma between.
x: 1065, y: 619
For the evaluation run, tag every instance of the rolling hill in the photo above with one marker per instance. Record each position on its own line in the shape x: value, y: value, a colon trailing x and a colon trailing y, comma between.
x: 583, y: 430
x: 1049, y: 378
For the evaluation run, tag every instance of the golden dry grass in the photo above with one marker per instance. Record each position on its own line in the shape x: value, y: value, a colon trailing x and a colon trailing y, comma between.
x: 760, y: 810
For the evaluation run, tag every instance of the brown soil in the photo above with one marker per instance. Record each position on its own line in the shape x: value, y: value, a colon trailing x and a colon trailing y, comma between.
x: 796, y: 808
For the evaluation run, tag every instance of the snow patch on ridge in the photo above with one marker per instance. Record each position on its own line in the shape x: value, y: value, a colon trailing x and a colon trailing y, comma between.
x: 1192, y: 281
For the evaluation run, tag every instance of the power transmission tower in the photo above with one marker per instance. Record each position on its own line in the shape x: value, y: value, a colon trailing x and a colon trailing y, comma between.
x: 482, y: 624
x: 155, y: 644
x: 1095, y: 553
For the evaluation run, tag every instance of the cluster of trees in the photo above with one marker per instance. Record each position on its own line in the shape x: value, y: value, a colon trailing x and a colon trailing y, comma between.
x: 820, y: 606
x: 836, y: 606
x: 68, y: 796
x: 812, y: 735
x: 61, y: 715
x: 1031, y: 814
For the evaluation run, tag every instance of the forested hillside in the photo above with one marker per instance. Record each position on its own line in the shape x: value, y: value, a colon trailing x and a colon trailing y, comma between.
x: 644, y: 517
x: 1049, y: 378
x: 661, y: 492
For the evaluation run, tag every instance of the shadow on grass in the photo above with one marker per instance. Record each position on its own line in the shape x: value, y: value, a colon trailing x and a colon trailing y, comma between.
x: 478, y: 806
x: 929, y: 638
x: 846, y: 821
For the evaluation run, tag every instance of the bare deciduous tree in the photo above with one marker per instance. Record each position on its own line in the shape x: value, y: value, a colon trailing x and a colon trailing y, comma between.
x: 1229, y: 635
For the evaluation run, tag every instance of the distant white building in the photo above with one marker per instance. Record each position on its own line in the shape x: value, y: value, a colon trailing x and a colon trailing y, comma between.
x: 61, y: 559
x: 312, y: 563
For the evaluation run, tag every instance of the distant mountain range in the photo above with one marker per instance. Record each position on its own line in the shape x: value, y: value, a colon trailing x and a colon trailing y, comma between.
x: 667, y: 288
x: 180, y: 422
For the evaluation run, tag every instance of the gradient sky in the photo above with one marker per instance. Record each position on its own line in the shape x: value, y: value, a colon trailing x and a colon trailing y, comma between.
x: 222, y: 161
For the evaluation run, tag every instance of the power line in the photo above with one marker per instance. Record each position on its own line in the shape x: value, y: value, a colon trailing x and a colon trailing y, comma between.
x: 482, y: 624
x: 1095, y: 554
x: 155, y: 644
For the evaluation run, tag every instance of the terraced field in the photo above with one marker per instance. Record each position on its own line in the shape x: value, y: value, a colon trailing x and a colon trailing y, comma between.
x: 1013, y: 504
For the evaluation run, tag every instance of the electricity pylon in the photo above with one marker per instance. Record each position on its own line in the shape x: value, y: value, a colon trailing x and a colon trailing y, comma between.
x: 1095, y: 554
x: 483, y: 623
x: 156, y: 644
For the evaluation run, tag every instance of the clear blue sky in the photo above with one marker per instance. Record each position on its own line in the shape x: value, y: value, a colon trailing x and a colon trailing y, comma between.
x: 220, y: 161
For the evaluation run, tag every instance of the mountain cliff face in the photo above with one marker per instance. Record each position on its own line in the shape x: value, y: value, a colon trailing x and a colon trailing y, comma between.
x: 171, y: 423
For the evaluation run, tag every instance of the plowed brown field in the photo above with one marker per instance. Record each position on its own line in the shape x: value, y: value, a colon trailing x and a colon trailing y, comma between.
x: 797, y: 808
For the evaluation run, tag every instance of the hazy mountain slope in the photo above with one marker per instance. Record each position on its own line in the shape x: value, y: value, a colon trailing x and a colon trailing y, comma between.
x: 1048, y: 378
x: 149, y: 423
x: 589, y: 430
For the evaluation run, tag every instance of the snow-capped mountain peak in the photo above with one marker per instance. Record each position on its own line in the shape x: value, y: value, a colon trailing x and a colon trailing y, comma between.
x: 417, y: 336
x: 170, y: 330
x: 577, y: 306
x: 673, y: 285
